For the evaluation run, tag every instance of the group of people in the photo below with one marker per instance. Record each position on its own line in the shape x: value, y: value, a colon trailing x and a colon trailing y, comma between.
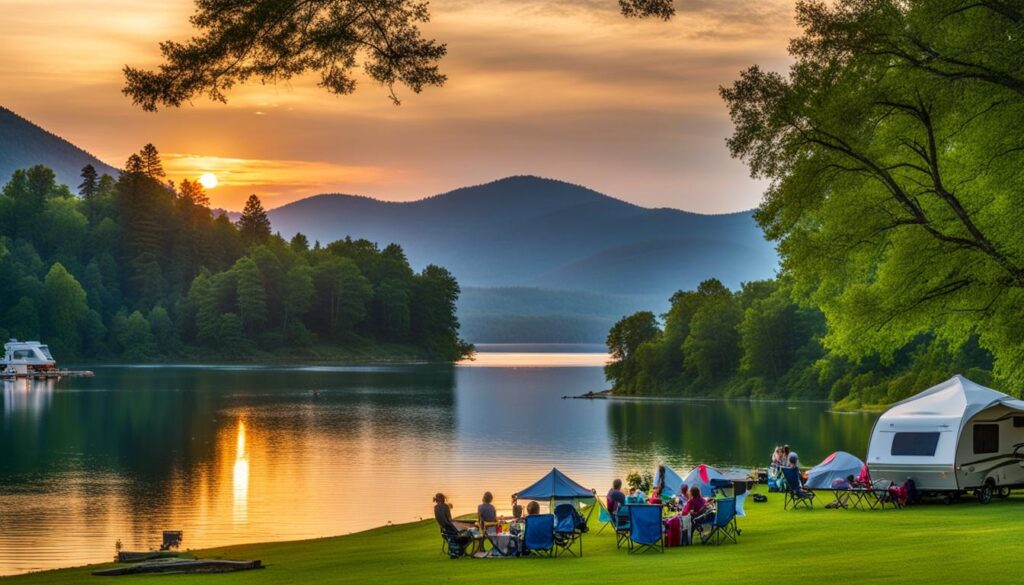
x: 487, y: 518
x: 689, y: 501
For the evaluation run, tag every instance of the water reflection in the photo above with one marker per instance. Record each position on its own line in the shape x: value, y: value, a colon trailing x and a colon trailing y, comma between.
x: 24, y: 397
x: 240, y: 479
x: 242, y: 454
x: 735, y: 433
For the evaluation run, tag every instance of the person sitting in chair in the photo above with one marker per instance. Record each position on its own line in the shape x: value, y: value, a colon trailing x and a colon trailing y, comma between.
x: 655, y: 498
x: 443, y: 515
x: 532, y: 509
x: 615, y: 497
x: 486, y: 514
x: 695, y: 505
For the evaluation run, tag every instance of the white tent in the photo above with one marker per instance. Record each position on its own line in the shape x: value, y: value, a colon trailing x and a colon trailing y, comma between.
x: 954, y: 436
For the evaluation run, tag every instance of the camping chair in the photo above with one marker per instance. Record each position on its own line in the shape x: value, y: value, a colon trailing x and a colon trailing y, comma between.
x: 645, y: 530
x: 452, y: 544
x: 622, y: 524
x: 605, y: 517
x: 723, y: 526
x: 718, y: 487
x: 568, y: 529
x: 539, y: 535
x: 883, y: 494
x: 740, y: 493
x: 796, y: 495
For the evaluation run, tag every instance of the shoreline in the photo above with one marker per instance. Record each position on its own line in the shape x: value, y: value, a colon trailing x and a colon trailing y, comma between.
x: 608, y: 394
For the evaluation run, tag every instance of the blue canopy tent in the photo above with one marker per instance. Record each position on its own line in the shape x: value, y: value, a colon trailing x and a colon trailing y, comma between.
x: 672, y: 482
x: 555, y: 486
x: 837, y: 465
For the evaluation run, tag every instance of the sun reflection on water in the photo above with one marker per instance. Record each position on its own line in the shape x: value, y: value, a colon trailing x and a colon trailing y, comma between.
x: 241, y: 478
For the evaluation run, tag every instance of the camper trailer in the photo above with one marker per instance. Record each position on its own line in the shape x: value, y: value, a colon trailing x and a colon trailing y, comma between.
x: 953, y: 438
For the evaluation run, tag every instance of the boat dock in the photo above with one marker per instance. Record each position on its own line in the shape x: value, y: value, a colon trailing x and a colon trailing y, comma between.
x: 47, y: 374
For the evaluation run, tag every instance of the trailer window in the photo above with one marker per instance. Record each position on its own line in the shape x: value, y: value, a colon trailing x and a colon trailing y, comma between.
x: 986, y: 438
x: 1018, y: 422
x: 915, y: 444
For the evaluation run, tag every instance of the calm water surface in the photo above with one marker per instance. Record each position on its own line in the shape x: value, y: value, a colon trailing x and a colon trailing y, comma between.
x: 233, y: 454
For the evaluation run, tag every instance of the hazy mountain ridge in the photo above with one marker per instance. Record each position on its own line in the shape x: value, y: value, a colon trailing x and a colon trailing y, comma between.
x: 24, y: 144
x: 529, y: 231
x: 568, y: 261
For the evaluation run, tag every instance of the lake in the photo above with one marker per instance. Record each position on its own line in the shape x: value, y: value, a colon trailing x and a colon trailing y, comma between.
x: 233, y: 454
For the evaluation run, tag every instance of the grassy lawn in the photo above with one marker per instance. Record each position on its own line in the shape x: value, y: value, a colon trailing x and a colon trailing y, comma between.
x: 966, y: 543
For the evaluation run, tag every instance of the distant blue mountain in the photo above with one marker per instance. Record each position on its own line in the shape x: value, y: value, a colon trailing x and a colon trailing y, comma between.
x: 23, y: 144
x: 535, y: 232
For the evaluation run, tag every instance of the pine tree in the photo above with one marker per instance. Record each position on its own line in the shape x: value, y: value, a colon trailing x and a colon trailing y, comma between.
x: 193, y: 192
x: 299, y: 243
x: 254, y: 224
x: 151, y: 164
x: 134, y: 166
x: 90, y: 183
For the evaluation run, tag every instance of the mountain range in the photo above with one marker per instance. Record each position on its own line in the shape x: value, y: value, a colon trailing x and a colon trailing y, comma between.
x: 528, y: 231
x: 538, y: 259
x: 23, y: 144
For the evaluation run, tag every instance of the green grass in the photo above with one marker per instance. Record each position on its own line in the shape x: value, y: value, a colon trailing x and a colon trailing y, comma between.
x: 963, y: 543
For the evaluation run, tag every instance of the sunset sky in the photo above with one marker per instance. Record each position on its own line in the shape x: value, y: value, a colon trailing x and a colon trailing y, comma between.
x: 563, y: 89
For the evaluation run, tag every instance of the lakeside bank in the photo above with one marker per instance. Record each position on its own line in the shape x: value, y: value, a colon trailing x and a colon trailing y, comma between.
x: 925, y: 544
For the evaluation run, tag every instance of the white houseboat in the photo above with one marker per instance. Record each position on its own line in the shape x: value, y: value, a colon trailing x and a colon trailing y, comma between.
x: 28, y: 359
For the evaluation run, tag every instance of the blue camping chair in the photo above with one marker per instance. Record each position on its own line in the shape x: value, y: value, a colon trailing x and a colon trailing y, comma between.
x: 622, y: 524
x: 723, y: 526
x: 539, y: 535
x: 645, y: 528
x: 796, y: 495
x: 605, y: 517
x: 569, y: 528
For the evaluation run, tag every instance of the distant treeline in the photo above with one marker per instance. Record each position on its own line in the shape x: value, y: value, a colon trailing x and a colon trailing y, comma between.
x: 139, y: 268
x: 758, y: 342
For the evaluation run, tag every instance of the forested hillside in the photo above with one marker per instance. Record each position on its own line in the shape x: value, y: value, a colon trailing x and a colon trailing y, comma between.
x: 23, y: 144
x: 138, y: 268
x: 758, y: 342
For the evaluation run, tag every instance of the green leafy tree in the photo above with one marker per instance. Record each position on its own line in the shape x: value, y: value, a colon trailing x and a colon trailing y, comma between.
x: 136, y: 337
x: 435, y: 325
x: 711, y: 351
x: 625, y: 341
x: 343, y: 295
x: 22, y: 320
x: 66, y: 306
x: 299, y: 292
x: 895, y: 172
x: 252, y: 299
x: 165, y: 336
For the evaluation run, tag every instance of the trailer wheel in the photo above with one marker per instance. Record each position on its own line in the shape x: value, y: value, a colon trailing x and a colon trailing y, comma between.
x: 984, y: 493
x: 947, y: 499
x: 1003, y: 493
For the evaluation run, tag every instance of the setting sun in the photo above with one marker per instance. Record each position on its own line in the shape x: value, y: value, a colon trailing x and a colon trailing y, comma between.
x: 208, y: 180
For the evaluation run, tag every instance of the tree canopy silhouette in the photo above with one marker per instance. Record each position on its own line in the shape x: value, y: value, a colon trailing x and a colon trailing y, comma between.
x: 275, y: 40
